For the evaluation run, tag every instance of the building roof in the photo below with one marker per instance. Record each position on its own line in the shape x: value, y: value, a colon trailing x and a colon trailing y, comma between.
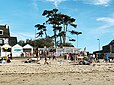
x: 12, y: 41
x: 111, y: 43
x: 17, y: 46
x: 28, y: 46
x: 6, y: 33
x: 6, y: 46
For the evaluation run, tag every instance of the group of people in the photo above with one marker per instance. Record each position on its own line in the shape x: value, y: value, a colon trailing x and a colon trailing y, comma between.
x: 86, y: 58
x: 44, y: 54
x: 83, y: 57
x: 6, y: 59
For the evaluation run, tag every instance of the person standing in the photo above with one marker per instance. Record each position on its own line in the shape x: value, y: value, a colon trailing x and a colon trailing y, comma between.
x: 37, y: 55
x: 36, y: 52
x: 45, y: 56
x: 10, y: 55
x: 106, y: 58
x: 54, y: 55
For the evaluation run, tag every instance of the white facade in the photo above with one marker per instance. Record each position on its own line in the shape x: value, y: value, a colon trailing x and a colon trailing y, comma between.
x: 28, y: 50
x: 17, y: 50
x: 62, y: 51
x: 27, y: 46
x: 5, y: 50
x: 4, y: 40
x: 70, y: 49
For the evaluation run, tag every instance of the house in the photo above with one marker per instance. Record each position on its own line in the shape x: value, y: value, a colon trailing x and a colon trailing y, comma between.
x: 5, y: 37
x: 107, y: 49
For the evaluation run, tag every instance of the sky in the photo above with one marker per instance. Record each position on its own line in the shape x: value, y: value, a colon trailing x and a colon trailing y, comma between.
x: 94, y: 18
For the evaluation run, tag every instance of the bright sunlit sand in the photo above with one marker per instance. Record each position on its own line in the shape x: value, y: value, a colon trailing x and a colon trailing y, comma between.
x: 56, y: 72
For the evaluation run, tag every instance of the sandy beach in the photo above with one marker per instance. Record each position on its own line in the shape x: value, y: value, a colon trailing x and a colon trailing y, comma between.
x: 57, y: 72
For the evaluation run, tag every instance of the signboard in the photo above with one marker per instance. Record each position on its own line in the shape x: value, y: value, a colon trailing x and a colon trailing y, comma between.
x: 17, y: 50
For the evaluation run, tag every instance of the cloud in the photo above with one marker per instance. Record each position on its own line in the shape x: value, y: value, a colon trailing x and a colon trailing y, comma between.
x: 102, y: 2
x: 35, y: 4
x: 106, y: 27
x: 56, y: 2
x: 108, y: 22
x: 99, y: 31
x: 96, y: 2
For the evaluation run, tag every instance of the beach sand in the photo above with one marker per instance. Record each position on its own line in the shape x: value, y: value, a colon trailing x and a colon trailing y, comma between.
x: 57, y: 72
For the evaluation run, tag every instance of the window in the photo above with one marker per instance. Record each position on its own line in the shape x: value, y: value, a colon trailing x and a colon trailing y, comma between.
x: 7, y: 50
x: 27, y: 50
x: 1, y: 32
x: 1, y: 41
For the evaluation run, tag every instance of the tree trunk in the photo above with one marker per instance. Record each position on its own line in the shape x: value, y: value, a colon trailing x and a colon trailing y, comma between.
x: 64, y: 38
x: 61, y: 41
x: 55, y: 38
x: 45, y: 34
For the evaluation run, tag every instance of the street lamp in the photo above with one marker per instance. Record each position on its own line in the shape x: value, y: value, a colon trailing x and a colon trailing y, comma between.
x: 99, y: 43
x: 99, y: 48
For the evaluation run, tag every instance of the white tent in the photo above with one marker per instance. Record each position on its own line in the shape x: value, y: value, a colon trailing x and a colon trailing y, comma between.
x: 5, y: 50
x: 28, y: 50
x: 71, y: 49
x: 17, y: 50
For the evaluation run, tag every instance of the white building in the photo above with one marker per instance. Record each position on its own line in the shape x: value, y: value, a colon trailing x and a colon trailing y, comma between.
x: 17, y: 50
x: 28, y: 50
x: 5, y: 50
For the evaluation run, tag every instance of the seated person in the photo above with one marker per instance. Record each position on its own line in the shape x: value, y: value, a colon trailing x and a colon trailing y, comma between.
x: 28, y: 61
x: 1, y: 59
x: 8, y: 60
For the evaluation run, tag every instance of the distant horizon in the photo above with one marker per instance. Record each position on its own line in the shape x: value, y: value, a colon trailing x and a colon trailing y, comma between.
x: 94, y: 18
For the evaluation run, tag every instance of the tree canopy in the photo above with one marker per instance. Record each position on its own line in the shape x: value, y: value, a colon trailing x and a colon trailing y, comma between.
x: 60, y: 26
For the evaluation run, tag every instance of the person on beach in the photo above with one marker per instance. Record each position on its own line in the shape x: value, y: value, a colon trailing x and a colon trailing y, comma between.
x: 28, y: 61
x: 54, y: 57
x: 37, y: 56
x: 10, y: 56
x: 97, y: 58
x: 45, y: 56
x: 106, y: 58
x: 67, y: 56
x: 7, y: 59
x: 2, y: 61
x: 36, y: 52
